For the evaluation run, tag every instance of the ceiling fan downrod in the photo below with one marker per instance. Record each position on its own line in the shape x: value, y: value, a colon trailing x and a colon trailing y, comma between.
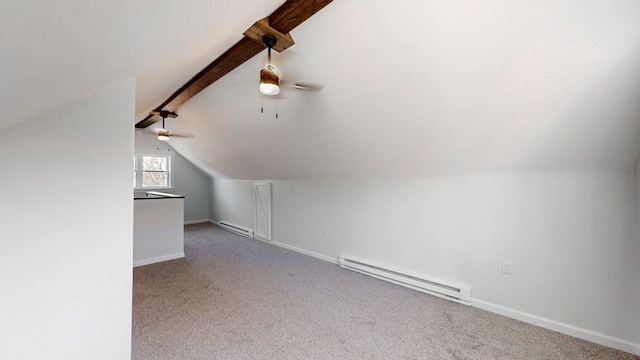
x: 269, y: 41
x: 163, y: 134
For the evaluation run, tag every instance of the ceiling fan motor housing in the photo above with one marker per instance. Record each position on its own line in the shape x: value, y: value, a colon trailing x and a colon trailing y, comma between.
x: 269, y: 41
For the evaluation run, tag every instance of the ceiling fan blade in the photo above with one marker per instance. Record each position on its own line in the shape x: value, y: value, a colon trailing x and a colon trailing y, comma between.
x: 156, y: 132
x: 308, y: 86
x: 181, y: 135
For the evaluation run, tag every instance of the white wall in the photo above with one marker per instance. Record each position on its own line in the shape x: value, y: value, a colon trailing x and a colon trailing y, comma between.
x: 66, y: 219
x: 232, y: 201
x: 571, y: 238
x: 158, y: 230
x: 188, y: 180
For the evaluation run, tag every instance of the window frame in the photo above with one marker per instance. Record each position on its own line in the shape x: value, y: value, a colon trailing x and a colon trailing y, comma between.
x: 138, y: 171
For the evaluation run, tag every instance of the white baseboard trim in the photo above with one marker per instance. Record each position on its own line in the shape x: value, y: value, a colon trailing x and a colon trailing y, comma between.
x: 157, y: 259
x: 567, y: 329
x: 191, y: 222
x: 301, y: 251
x: 293, y: 248
x: 305, y: 252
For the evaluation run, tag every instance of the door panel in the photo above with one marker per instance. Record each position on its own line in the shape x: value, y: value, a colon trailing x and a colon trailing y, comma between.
x: 262, y: 210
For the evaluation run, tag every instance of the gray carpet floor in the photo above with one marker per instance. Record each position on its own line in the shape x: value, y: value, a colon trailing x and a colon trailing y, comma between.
x: 238, y: 298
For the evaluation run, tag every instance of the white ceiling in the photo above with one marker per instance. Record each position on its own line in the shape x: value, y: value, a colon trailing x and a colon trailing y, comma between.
x: 412, y: 88
x: 55, y: 52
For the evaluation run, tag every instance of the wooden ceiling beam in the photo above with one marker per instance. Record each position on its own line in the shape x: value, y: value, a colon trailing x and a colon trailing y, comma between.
x: 261, y: 28
x: 242, y: 51
x: 288, y: 16
x: 165, y: 113
x: 147, y: 121
x: 294, y: 12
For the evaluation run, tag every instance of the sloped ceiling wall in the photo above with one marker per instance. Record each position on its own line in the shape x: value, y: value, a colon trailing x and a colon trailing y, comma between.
x: 432, y: 89
x: 412, y: 89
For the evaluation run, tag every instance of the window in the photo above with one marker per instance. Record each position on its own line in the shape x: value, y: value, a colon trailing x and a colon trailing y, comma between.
x: 151, y: 171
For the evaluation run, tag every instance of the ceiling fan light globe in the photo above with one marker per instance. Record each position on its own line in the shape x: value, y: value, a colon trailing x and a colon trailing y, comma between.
x: 163, y: 135
x: 269, y: 89
x: 269, y: 82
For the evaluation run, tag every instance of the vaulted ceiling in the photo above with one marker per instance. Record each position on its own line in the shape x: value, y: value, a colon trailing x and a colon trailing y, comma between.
x: 411, y: 89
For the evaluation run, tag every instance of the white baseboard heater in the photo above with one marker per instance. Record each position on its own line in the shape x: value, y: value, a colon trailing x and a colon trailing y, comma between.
x: 437, y: 288
x: 236, y: 229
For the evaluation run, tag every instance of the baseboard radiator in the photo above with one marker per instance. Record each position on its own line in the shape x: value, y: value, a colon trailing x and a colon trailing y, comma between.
x: 236, y: 229
x: 451, y: 292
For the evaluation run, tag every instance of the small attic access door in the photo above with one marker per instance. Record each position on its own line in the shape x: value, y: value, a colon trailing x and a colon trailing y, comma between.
x: 262, y: 210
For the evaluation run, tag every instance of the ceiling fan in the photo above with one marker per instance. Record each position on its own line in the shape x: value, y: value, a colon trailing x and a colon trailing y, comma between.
x: 270, y: 76
x: 163, y: 133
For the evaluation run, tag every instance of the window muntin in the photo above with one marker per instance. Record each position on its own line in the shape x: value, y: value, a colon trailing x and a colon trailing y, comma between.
x: 152, y: 171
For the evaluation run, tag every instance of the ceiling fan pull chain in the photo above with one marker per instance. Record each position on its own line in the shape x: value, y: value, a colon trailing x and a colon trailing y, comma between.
x: 261, y: 104
x: 276, y: 108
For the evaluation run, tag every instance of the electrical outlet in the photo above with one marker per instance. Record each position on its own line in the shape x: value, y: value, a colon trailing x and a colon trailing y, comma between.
x: 506, y: 267
x: 324, y: 231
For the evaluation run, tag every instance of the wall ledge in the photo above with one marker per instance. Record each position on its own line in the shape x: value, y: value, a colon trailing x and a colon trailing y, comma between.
x: 192, y: 222
x: 158, y: 259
